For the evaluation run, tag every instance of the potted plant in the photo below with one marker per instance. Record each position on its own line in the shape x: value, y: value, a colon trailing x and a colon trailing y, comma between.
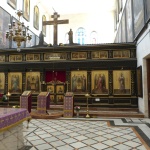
x: 77, y: 108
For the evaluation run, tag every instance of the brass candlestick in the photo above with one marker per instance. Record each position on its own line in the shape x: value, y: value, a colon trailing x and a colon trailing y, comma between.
x: 8, y: 95
x: 87, y: 108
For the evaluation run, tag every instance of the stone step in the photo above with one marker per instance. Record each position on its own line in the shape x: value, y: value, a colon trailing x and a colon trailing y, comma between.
x: 114, y: 114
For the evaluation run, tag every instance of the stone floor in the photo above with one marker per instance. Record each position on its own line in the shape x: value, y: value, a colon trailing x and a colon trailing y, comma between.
x: 88, y: 134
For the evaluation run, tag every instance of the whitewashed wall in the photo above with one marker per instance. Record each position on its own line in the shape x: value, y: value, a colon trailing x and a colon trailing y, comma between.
x: 90, y: 22
x: 10, y: 10
x: 143, y: 52
x: 101, y: 22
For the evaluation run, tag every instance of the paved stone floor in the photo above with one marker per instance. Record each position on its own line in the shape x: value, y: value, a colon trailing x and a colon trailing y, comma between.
x: 88, y: 134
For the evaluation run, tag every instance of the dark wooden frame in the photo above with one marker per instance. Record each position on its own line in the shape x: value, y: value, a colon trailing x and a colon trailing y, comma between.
x: 36, y: 17
x: 110, y: 64
x: 139, y: 81
x: 26, y: 14
x: 13, y: 5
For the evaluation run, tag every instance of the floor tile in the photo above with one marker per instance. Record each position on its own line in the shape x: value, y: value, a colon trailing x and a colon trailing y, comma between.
x: 90, y: 141
x: 87, y: 148
x: 44, y: 135
x: 51, y: 139
x: 99, y: 146
x: 78, y: 145
x: 57, y: 143
x: 37, y: 142
x: 65, y: 147
x: 70, y: 140
x: 132, y: 144
x: 110, y: 143
x: 33, y: 138
x: 87, y: 134
x: 44, y: 147
x: 122, y: 147
x: 80, y: 138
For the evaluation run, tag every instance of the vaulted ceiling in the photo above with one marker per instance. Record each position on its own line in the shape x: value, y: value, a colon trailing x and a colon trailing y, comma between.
x: 64, y: 7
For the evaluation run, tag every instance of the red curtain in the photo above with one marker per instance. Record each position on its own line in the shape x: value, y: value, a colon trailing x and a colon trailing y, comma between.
x: 56, y: 75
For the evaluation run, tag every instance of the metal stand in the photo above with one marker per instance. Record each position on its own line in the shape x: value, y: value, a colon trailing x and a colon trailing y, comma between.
x: 87, y: 108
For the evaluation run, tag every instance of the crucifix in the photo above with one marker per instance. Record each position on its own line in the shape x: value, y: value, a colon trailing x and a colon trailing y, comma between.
x: 55, y: 22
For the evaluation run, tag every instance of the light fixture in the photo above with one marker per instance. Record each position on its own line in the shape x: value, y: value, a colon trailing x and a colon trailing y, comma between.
x: 18, y: 33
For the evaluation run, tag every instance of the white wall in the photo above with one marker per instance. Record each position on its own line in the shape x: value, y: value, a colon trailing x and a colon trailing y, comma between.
x: 10, y: 10
x: 101, y: 23
x: 120, y: 16
x: 143, y: 50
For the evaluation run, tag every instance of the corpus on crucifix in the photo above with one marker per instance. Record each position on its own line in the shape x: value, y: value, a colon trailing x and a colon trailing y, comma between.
x: 55, y: 22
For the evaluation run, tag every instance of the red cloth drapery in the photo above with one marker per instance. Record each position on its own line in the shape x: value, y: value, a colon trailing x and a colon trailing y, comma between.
x: 55, y: 75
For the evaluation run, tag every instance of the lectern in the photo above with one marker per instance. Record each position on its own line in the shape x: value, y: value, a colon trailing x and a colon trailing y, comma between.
x: 26, y: 100
x: 68, y: 105
x: 43, y: 102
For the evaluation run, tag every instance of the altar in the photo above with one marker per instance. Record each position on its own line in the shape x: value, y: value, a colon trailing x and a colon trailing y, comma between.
x: 11, y: 127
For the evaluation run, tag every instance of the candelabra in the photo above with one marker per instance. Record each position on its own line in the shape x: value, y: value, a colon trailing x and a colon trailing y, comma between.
x: 18, y: 32
x: 87, y: 110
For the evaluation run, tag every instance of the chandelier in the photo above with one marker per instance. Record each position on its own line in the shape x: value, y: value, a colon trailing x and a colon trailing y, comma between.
x: 17, y: 32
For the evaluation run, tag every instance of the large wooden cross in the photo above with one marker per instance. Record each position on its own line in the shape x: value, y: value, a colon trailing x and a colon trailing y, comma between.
x: 55, y: 22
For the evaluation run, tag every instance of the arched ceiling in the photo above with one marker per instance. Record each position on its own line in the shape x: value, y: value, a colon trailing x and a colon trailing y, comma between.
x: 64, y: 7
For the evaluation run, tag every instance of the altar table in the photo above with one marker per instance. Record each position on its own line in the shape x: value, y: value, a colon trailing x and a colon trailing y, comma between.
x: 11, y: 127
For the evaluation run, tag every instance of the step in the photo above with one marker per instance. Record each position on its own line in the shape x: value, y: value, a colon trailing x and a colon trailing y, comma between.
x: 120, y: 114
